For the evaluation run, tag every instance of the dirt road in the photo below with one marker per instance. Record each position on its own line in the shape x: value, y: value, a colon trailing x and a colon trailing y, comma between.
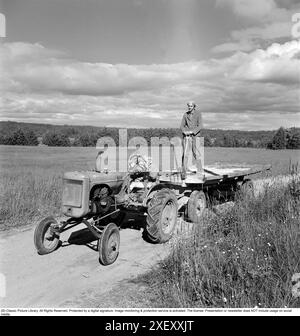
x: 72, y: 274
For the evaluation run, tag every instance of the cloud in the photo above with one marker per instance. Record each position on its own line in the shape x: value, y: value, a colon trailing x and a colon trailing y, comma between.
x: 228, y: 47
x: 266, y: 20
x: 43, y: 85
x: 276, y: 64
x: 271, y: 31
x: 254, y: 9
x: 48, y: 72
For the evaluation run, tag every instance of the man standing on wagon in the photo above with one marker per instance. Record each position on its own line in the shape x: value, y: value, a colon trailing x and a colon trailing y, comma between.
x: 191, y: 126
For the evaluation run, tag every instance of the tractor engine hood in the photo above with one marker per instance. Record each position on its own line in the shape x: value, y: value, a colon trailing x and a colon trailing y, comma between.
x: 94, y: 176
x: 77, y: 189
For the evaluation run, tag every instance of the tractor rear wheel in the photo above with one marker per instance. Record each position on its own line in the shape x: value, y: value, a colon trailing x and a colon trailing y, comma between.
x: 108, y: 244
x: 162, y: 216
x: 196, y: 205
x: 46, y: 240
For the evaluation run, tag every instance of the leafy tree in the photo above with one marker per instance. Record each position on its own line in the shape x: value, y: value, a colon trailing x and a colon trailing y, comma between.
x: 2, y: 140
x: 228, y: 141
x: 69, y: 131
x: 207, y: 142
x: 18, y: 138
x: 279, y: 140
x: 86, y: 140
x: 56, y: 139
x: 31, y: 138
x: 240, y: 142
x: 293, y: 141
x: 219, y: 142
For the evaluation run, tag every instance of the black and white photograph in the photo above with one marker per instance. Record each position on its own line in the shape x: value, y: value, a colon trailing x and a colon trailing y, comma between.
x: 149, y: 159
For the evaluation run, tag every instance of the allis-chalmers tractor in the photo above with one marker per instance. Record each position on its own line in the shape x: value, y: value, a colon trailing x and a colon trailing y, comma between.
x: 99, y: 199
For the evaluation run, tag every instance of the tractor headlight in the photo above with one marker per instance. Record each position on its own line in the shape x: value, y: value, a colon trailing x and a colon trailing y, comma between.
x: 72, y: 193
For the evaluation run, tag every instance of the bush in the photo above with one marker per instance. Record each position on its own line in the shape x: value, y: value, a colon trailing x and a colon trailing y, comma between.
x: 56, y: 139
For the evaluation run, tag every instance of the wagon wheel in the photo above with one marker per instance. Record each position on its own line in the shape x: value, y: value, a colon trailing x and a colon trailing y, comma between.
x: 247, y: 188
x: 161, y: 217
x: 196, y: 206
x: 108, y: 244
x: 46, y: 240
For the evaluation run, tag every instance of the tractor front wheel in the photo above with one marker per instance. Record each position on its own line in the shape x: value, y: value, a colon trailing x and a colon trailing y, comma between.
x: 108, y: 244
x: 46, y: 239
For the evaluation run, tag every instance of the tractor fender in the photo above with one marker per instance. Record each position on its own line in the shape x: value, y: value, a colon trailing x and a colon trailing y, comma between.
x: 155, y: 188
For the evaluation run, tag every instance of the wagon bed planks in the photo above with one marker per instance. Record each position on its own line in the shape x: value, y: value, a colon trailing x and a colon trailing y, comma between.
x: 214, y: 174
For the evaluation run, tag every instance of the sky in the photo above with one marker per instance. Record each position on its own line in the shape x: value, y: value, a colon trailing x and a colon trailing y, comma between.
x: 136, y: 63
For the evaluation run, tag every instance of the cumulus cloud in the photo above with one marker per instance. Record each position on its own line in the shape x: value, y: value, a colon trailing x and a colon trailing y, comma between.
x: 43, y: 72
x: 276, y: 64
x: 45, y: 85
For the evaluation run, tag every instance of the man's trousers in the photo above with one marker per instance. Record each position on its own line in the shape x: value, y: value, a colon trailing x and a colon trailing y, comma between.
x: 192, y: 152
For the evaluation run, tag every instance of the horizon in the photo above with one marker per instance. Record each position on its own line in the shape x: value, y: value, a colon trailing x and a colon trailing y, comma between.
x: 131, y: 63
x: 122, y: 127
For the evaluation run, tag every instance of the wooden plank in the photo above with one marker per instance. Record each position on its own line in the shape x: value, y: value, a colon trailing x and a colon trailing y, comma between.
x: 213, y: 175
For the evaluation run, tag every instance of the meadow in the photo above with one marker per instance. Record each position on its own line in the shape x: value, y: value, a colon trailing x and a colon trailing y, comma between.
x: 31, y: 177
x: 245, y: 257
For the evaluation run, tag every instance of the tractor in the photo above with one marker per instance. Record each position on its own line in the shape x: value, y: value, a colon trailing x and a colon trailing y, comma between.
x: 100, y: 199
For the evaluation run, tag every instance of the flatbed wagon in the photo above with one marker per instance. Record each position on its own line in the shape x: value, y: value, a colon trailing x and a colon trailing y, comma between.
x: 100, y: 199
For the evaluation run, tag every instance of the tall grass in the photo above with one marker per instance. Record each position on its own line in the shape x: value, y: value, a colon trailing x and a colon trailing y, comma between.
x: 244, y: 258
x: 31, y: 181
x: 28, y: 195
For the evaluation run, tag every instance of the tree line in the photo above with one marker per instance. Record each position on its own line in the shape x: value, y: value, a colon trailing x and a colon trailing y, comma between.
x: 285, y: 139
x: 20, y: 138
x: 87, y: 136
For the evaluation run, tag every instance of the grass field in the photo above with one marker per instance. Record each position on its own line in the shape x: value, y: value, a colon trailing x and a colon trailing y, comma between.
x: 246, y: 257
x: 31, y: 177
